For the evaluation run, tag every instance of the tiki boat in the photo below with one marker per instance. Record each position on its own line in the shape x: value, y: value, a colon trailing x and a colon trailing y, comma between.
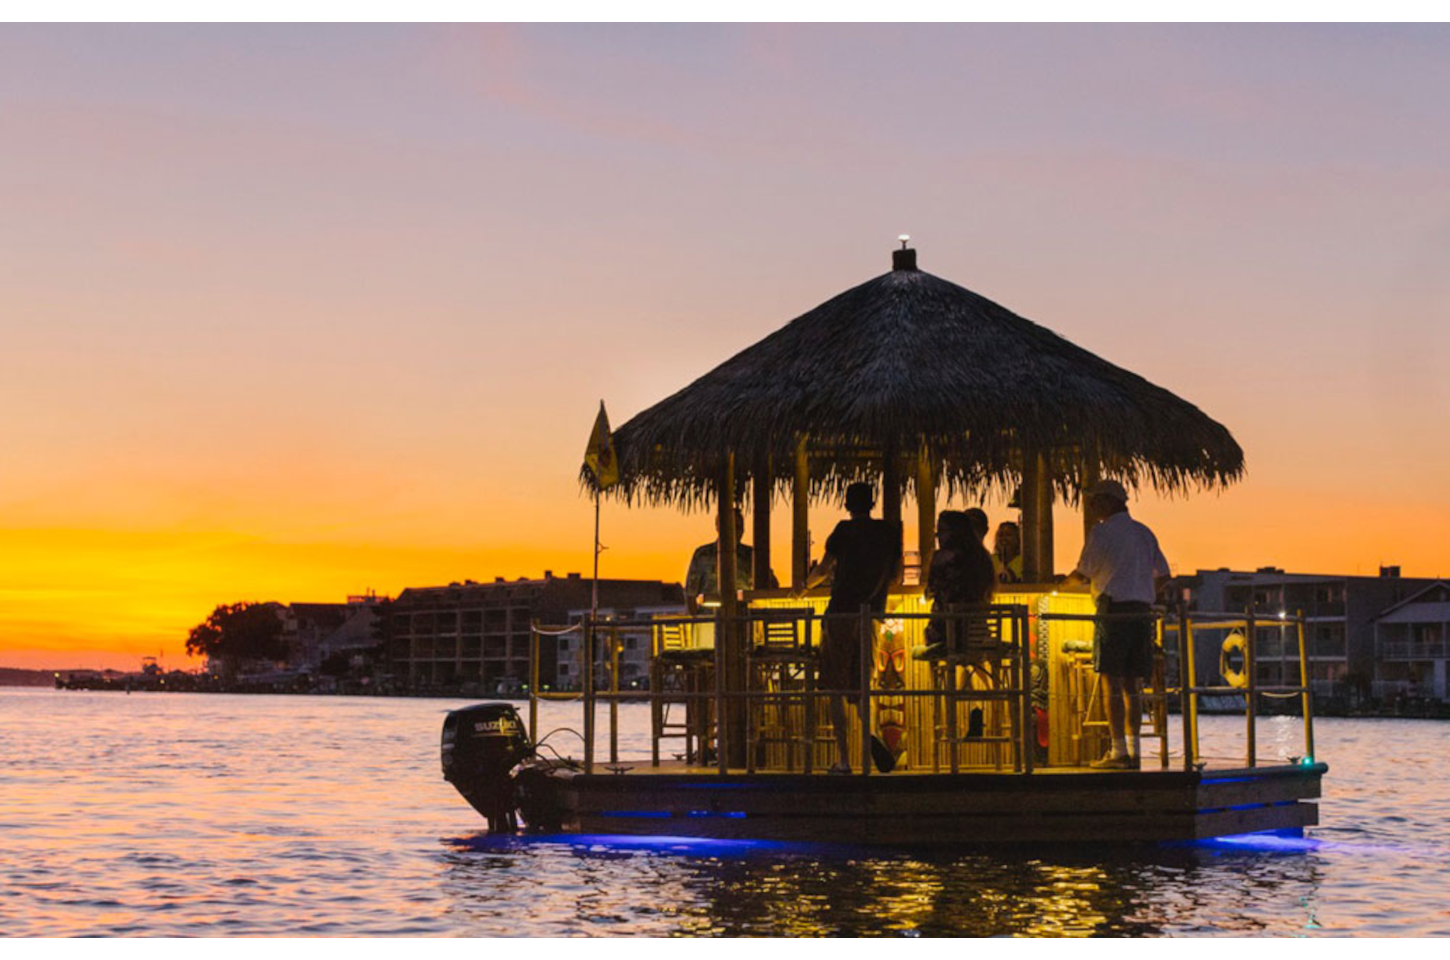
x: 921, y: 386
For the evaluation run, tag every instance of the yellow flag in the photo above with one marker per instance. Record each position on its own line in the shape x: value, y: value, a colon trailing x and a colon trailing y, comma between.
x: 599, y: 455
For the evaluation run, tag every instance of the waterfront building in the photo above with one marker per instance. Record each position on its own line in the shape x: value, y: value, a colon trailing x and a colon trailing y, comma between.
x: 1412, y: 641
x: 1361, y: 638
x: 477, y: 634
x: 314, y: 632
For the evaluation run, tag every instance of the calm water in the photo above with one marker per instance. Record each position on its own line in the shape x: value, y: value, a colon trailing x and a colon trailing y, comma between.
x: 176, y: 814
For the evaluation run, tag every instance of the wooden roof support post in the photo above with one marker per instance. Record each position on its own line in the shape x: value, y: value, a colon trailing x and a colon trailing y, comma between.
x: 1028, y: 502
x: 891, y: 492
x: 800, y: 552
x: 761, y: 488
x: 1036, y: 500
x: 727, y: 626
x: 1046, y: 550
x: 1091, y: 473
x: 925, y: 509
x: 728, y: 543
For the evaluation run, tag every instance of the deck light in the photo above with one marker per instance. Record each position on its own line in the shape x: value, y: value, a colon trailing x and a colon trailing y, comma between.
x: 1277, y: 841
x: 905, y: 238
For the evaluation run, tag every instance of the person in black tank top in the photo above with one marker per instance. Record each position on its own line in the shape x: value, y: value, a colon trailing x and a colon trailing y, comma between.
x: 863, y: 558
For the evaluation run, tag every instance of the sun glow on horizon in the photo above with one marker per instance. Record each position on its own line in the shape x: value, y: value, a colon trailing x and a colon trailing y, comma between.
x: 339, y: 316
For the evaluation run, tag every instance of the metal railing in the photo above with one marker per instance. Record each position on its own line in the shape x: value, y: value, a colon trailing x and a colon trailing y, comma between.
x: 732, y: 694
x: 1247, y: 625
x: 1414, y: 649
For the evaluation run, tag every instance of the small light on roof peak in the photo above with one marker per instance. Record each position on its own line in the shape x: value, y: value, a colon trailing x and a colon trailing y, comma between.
x: 905, y: 258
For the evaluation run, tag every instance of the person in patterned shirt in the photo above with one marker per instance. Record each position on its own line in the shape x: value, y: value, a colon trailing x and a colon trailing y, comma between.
x: 702, y: 580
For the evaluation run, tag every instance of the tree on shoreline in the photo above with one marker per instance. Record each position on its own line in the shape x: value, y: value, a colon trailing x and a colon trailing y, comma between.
x: 237, y: 632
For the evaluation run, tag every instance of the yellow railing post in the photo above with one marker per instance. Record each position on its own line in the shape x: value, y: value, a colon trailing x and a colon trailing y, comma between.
x: 1029, y: 716
x: 1251, y: 670
x: 1160, y: 700
x: 863, y: 708
x: 721, y: 736
x: 534, y: 681
x: 1308, y: 697
x: 588, y: 639
x: 614, y: 694
x: 751, y: 734
x: 1188, y: 697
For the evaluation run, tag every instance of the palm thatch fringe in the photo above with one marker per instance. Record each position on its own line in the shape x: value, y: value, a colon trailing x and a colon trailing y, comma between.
x: 909, y: 362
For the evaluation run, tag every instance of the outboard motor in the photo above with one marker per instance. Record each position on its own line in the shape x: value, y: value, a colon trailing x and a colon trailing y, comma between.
x: 481, y: 746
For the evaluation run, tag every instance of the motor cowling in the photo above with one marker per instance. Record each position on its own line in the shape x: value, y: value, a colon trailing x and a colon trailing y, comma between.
x: 481, y: 746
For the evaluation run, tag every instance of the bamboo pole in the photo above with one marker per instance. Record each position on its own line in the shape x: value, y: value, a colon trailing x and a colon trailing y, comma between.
x: 760, y: 491
x: 1091, y: 474
x: 800, y: 518
x: 1046, y: 554
x: 1031, y: 517
x: 728, y: 637
x: 891, y: 488
x: 925, y: 510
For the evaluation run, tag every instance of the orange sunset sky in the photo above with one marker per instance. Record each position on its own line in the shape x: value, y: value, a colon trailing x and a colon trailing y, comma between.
x: 293, y: 312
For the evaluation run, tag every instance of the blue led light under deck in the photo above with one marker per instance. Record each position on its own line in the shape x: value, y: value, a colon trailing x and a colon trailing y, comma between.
x: 670, y: 843
x: 1274, y: 841
x: 1229, y: 780
x: 667, y: 815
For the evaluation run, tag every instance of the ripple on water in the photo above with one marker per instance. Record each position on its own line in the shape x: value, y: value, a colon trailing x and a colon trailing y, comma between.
x: 212, y: 815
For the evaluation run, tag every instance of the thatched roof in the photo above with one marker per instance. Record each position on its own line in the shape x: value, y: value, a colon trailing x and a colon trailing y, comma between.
x: 907, y: 360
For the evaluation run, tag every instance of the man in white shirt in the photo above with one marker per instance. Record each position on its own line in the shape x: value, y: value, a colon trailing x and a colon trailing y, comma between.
x: 1124, y: 568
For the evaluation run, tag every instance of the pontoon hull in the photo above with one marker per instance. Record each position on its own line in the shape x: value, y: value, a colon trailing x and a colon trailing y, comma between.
x: 909, y: 809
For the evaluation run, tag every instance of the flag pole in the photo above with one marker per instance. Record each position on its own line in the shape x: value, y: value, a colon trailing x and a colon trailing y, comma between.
x: 590, y: 651
x: 594, y: 599
x: 600, y: 463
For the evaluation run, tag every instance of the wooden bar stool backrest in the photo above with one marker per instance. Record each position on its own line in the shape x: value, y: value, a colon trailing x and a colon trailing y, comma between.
x: 785, y: 630
x: 669, y: 636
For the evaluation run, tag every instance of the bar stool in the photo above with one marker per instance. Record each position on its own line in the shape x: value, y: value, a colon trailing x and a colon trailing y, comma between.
x: 781, y: 663
x: 1085, y: 708
x: 680, y: 675
x: 1155, y: 698
x: 975, y: 649
x: 1086, y: 705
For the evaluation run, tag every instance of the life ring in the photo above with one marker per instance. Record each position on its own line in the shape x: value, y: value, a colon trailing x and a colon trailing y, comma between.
x: 1234, y: 676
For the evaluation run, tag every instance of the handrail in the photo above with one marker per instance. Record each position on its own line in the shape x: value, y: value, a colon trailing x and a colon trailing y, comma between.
x: 1251, y: 625
x: 1179, y: 624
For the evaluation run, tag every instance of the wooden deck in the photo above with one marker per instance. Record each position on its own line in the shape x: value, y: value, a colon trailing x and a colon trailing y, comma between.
x: 913, y: 808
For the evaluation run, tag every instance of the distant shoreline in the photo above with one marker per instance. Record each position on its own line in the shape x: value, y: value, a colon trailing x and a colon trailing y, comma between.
x: 32, y: 679
x: 17, y: 677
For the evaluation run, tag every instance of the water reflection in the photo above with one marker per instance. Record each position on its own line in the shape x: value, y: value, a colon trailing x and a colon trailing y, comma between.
x: 177, y: 814
x: 676, y: 886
